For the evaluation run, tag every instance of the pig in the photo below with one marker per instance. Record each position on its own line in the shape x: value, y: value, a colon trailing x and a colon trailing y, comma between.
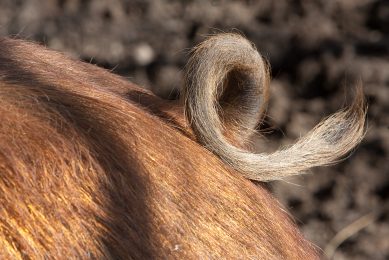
x: 93, y: 166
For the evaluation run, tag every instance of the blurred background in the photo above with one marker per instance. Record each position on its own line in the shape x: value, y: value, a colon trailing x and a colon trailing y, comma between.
x: 317, y: 50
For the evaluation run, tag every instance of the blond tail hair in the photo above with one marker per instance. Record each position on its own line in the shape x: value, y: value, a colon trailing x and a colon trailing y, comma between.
x: 225, y: 95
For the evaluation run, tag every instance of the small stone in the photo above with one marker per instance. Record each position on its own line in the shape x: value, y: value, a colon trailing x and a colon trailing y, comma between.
x: 143, y: 54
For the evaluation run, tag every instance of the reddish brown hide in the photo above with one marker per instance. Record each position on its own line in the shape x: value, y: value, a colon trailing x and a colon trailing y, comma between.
x: 92, y: 166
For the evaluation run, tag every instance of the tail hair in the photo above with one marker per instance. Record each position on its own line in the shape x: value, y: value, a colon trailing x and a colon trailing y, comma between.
x: 225, y: 96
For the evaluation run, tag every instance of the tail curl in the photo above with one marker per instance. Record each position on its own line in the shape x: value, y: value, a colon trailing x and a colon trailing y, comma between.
x: 225, y: 95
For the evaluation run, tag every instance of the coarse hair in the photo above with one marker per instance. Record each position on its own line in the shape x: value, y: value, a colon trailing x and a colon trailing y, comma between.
x: 225, y: 94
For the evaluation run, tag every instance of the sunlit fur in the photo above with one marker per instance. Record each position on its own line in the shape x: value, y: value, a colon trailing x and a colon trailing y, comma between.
x: 229, y: 63
x: 92, y: 166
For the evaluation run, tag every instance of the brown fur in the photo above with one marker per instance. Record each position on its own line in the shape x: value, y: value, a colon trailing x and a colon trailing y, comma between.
x: 92, y: 166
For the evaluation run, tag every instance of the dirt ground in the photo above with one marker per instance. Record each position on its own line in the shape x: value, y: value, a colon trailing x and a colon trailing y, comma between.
x: 317, y: 50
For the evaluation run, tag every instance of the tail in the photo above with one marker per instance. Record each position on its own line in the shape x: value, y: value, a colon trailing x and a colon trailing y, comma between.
x: 225, y: 95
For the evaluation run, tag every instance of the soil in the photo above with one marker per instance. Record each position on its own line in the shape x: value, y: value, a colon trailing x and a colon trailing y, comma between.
x: 317, y: 49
